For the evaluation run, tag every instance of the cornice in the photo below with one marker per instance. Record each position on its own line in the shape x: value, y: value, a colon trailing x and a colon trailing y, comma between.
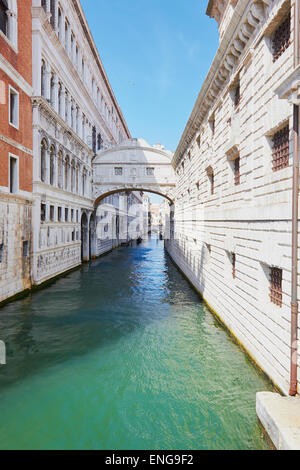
x: 237, y: 38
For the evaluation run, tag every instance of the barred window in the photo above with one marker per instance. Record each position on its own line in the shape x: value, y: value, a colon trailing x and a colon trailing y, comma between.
x: 212, y: 183
x: 118, y: 171
x: 281, y: 38
x: 237, y: 175
x: 150, y: 171
x: 281, y: 149
x: 276, y: 286
x: 233, y: 262
x: 237, y: 96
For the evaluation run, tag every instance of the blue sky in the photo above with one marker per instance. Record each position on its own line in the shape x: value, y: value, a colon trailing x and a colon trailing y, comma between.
x: 156, y: 54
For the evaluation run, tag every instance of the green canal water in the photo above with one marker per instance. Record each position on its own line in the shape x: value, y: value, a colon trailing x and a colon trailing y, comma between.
x: 122, y: 354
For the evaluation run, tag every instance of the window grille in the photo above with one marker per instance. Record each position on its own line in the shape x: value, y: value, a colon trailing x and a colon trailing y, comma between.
x: 233, y: 261
x: 237, y: 96
x: 282, y: 38
x: 118, y: 171
x: 281, y: 149
x: 276, y: 286
x: 212, y: 183
x: 237, y: 176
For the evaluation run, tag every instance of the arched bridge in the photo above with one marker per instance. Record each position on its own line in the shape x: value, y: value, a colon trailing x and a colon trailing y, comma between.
x: 133, y: 166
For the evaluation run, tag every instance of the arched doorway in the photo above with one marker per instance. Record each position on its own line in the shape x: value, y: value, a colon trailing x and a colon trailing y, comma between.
x: 84, y: 238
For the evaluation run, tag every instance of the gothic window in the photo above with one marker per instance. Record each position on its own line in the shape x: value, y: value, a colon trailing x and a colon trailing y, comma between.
x: 276, y: 286
x: 66, y: 106
x: 52, y: 165
x: 43, y: 79
x: 281, y: 38
x: 3, y: 17
x: 44, y: 148
x: 94, y: 139
x: 237, y: 175
x: 77, y: 179
x: 72, y: 177
x: 280, y: 155
x: 60, y: 170
x: 84, y: 183
x: 44, y: 5
x: 52, y: 90
x: 66, y: 35
x: 60, y: 25
x: 60, y: 97
x: 66, y: 173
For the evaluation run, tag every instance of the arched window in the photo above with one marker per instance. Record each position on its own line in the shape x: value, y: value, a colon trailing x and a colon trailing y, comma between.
x: 52, y: 165
x: 52, y: 90
x: 60, y: 25
x: 4, y: 17
x: 66, y: 172
x: 84, y: 182
x: 60, y: 170
x: 43, y: 79
x: 60, y: 99
x: 44, y: 148
x: 72, y: 176
x: 44, y: 5
x: 77, y: 179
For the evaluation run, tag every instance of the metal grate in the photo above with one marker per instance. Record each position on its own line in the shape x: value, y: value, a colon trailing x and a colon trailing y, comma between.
x: 237, y: 175
x: 281, y: 38
x: 276, y: 286
x: 281, y: 149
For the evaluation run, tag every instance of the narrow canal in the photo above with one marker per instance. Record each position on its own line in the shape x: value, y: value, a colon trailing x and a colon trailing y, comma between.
x: 122, y: 354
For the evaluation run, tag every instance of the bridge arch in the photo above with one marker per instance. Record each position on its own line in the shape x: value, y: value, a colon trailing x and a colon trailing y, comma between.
x: 133, y: 165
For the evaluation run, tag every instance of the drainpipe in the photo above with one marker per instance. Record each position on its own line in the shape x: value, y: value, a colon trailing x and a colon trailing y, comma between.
x: 294, y: 302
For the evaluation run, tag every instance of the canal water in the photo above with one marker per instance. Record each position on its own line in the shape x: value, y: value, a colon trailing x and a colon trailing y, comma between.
x: 122, y: 354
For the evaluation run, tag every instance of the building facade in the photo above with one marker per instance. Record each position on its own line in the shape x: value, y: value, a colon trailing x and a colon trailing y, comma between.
x: 233, y: 230
x: 75, y: 114
x: 15, y: 147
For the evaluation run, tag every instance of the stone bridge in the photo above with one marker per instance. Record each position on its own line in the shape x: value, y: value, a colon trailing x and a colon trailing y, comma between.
x: 133, y: 166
